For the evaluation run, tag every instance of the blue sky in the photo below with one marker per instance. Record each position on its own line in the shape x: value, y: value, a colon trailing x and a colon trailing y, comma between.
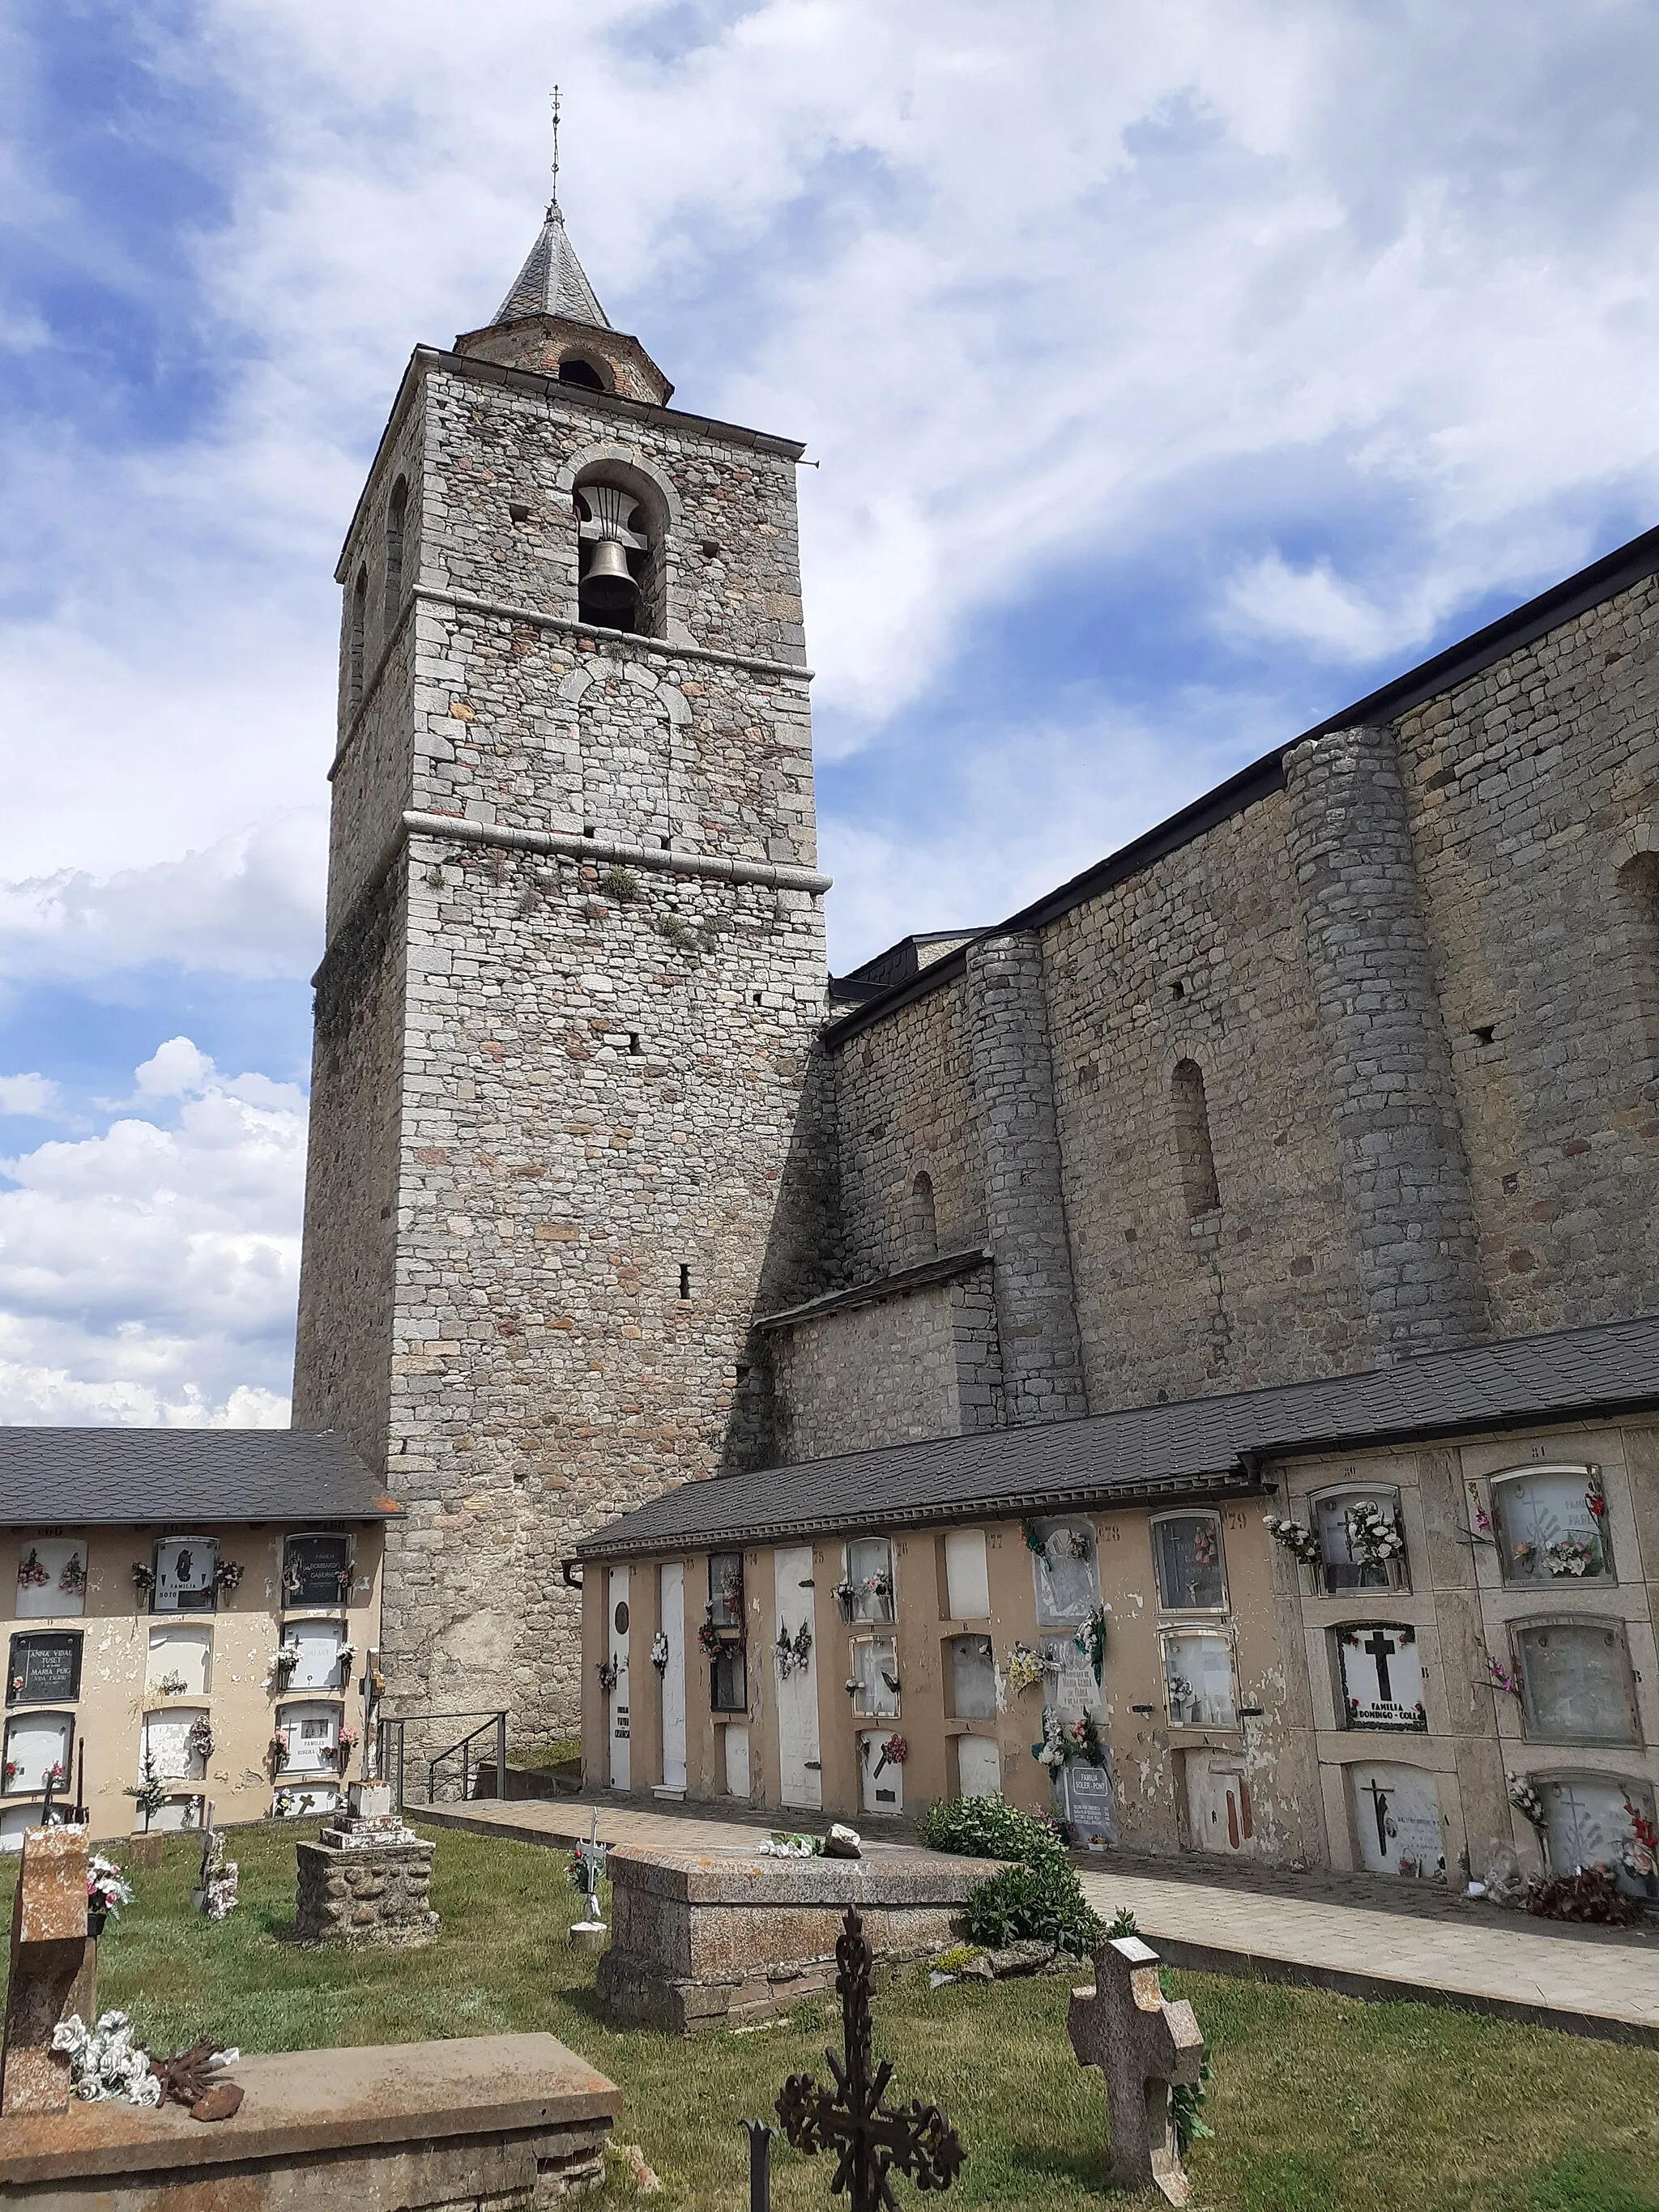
x: 1177, y: 372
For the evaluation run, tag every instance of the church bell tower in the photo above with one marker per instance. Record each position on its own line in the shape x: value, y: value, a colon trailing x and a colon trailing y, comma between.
x: 575, y: 968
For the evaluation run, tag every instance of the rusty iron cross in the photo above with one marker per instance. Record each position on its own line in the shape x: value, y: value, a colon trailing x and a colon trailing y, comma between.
x: 870, y: 2139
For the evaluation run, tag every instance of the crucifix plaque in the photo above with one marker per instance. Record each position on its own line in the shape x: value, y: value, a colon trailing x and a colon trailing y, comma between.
x: 1381, y: 1677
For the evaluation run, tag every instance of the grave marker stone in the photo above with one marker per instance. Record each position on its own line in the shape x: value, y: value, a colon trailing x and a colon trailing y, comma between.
x: 54, y: 1967
x: 1144, y: 2045
x: 1086, y: 1793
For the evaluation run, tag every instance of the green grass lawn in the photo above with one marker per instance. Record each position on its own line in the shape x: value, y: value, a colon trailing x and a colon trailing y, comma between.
x: 1317, y: 2101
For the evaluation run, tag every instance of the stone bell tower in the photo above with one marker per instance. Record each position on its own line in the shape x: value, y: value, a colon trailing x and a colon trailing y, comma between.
x: 573, y: 970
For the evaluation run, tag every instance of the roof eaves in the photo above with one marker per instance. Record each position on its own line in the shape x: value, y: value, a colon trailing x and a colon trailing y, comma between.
x: 1007, y: 1504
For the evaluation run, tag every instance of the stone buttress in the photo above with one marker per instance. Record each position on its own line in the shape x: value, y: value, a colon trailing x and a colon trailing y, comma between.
x: 1399, y: 1136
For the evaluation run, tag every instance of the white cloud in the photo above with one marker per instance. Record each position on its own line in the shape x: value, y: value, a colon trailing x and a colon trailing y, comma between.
x: 249, y: 905
x: 1025, y: 811
x: 148, y: 1274
x: 35, y: 1095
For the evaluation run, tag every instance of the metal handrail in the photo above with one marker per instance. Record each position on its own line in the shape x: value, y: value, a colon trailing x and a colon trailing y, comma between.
x: 392, y: 1744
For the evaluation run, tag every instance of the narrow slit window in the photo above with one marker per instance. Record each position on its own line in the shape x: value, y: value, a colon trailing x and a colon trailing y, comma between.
x: 396, y: 513
x: 685, y: 1280
x: 1191, y: 1130
x: 922, y: 1225
x: 355, y: 640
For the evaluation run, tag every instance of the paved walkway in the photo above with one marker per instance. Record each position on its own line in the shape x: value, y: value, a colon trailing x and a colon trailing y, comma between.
x: 1588, y: 1982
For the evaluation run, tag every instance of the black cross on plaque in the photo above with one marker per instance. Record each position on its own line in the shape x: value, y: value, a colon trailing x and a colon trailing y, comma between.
x: 1381, y: 1648
x: 1379, y: 1798
x: 870, y: 2139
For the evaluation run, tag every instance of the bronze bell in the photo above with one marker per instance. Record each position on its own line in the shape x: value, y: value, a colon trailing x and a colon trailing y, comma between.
x: 608, y: 583
x: 609, y: 591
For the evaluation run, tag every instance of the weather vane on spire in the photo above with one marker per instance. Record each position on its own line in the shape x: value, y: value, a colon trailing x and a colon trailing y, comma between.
x: 556, y: 145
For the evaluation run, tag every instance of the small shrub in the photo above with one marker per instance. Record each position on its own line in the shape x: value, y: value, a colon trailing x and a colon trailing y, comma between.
x: 1124, y: 1923
x: 621, y: 884
x: 1042, y: 1903
x: 989, y: 1828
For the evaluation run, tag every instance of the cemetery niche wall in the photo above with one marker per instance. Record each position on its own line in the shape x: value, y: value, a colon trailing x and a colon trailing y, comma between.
x: 1312, y: 1656
x: 197, y: 1624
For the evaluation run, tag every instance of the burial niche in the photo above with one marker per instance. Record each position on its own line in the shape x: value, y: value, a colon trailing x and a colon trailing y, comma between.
x: 52, y: 1577
x: 1576, y: 1682
x: 1198, y: 1678
x: 1381, y: 1676
x: 867, y: 1594
x: 44, y: 1668
x: 1552, y: 1526
x: 973, y: 1678
x: 1361, y: 1543
x: 967, y: 1575
x: 37, y: 1746
x: 1589, y: 1820
x: 1397, y: 1815
x: 186, y: 1575
x: 1064, y: 1567
x: 1187, y: 1554
x: 316, y: 1569
x: 875, y: 1677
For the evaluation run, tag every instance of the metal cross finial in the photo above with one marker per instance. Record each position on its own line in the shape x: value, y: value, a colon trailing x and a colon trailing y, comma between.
x: 556, y: 145
x: 870, y: 2139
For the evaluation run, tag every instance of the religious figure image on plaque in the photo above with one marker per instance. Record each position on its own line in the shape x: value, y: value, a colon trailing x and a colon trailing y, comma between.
x: 185, y: 1575
x: 1381, y: 1677
x: 1187, y: 1552
x: 1397, y: 1821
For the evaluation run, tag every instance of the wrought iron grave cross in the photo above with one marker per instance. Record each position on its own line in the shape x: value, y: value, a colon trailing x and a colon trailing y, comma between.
x: 870, y: 2139
x: 591, y: 1857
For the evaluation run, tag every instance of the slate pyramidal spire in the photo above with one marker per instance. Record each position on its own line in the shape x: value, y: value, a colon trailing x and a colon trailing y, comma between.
x: 552, y: 280
x: 552, y: 321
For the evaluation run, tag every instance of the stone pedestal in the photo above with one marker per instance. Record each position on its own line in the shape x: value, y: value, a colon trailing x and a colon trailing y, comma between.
x: 54, y: 1967
x: 706, y: 1940
x: 366, y: 1879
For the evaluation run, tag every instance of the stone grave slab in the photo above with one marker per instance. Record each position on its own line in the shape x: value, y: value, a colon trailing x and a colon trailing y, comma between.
x: 704, y: 1940
x: 514, y: 2122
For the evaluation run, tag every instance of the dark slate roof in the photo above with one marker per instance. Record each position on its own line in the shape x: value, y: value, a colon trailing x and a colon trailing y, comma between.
x: 184, y: 1474
x: 1574, y: 595
x: 1150, y: 1453
x: 552, y: 280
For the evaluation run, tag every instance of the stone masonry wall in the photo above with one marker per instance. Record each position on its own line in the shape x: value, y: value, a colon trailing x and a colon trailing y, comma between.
x: 600, y: 1069
x: 923, y: 1363
x: 1521, y: 950
x: 1532, y: 792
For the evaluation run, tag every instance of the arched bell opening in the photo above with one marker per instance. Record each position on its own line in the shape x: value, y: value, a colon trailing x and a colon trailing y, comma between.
x: 576, y: 369
x: 620, y: 525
